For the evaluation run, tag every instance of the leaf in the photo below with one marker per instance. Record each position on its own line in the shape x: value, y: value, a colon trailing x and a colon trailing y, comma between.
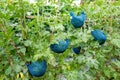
x: 22, y: 50
x: 81, y: 59
x: 17, y: 68
x: 116, y: 42
x: 72, y: 75
x: 117, y: 63
x: 92, y: 62
x: 2, y: 77
x: 8, y: 70
x: 27, y: 43
x: 107, y: 73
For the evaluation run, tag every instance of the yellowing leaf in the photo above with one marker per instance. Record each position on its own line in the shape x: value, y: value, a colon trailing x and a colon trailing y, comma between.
x: 20, y: 75
x: 69, y: 67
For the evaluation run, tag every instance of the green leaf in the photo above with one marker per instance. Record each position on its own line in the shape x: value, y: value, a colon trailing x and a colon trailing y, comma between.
x: 17, y: 68
x: 8, y: 70
x: 27, y: 43
x: 116, y: 42
x: 23, y: 50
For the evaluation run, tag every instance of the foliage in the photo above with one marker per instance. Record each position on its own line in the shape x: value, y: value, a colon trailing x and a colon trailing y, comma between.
x: 27, y: 30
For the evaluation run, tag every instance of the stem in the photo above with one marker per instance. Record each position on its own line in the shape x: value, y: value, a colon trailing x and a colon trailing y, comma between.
x: 82, y: 2
x: 19, y: 54
x: 2, y: 26
x: 111, y: 24
x: 13, y: 44
x: 22, y: 18
x: 11, y: 61
x: 38, y: 16
x: 6, y: 34
x: 51, y: 35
